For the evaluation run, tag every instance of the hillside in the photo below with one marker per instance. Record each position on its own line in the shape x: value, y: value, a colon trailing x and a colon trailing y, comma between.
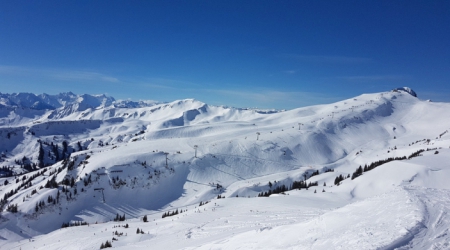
x: 72, y: 159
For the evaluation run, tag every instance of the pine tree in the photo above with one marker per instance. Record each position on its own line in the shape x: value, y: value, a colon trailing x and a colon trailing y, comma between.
x: 64, y: 151
x: 108, y: 244
x: 41, y: 155
x: 55, y: 151
x: 51, y: 183
x: 357, y: 173
x: 360, y: 170
x: 336, y: 181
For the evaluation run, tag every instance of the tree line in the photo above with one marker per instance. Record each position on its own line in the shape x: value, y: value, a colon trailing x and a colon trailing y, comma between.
x: 360, y: 170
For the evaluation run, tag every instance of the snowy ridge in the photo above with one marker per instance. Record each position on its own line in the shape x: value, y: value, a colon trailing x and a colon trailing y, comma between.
x: 102, y: 159
x: 407, y: 90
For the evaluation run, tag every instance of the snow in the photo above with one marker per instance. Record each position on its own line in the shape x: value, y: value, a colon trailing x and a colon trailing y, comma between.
x: 407, y: 90
x: 401, y: 204
x: 360, y: 225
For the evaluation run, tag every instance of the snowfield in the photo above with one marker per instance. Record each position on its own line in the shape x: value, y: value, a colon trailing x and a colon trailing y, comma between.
x: 72, y: 159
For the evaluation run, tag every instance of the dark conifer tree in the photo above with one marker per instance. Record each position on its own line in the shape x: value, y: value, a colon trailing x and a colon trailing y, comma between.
x: 64, y: 151
x: 55, y: 151
x: 41, y: 155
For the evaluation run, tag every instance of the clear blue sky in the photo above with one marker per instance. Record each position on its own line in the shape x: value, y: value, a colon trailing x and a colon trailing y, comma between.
x: 265, y: 54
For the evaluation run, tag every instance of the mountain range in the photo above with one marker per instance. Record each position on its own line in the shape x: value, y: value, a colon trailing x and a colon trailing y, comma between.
x: 78, y: 171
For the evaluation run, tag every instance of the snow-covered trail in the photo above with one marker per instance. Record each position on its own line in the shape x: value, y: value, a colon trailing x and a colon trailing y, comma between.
x: 434, y: 232
x: 373, y: 223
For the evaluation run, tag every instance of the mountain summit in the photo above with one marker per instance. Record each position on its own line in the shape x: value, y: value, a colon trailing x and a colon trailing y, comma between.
x: 407, y: 90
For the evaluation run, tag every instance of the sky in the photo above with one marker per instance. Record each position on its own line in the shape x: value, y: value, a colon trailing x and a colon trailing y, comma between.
x: 259, y: 54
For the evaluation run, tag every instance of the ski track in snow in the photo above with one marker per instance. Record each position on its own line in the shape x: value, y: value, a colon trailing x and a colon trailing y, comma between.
x: 433, y: 233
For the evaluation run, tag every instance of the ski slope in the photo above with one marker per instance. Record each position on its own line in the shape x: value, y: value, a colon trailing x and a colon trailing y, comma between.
x: 141, y: 160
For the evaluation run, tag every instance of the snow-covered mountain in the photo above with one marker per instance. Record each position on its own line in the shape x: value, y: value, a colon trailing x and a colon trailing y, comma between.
x: 21, y: 108
x: 197, y: 173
